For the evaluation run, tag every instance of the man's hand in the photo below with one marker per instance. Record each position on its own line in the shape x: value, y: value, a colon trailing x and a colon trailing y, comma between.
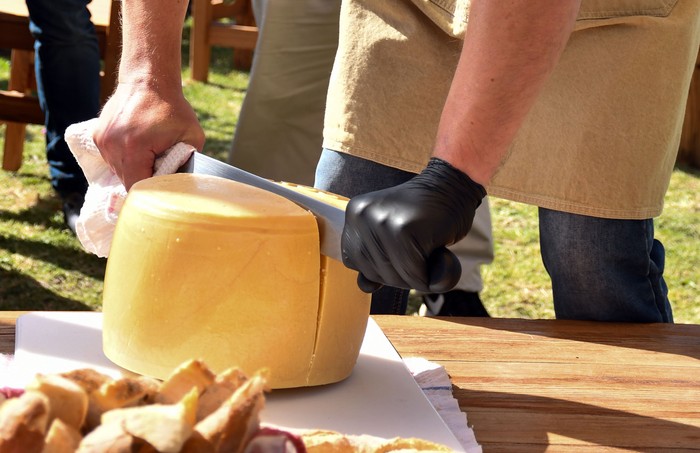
x: 141, y: 121
x: 397, y: 236
x: 148, y: 112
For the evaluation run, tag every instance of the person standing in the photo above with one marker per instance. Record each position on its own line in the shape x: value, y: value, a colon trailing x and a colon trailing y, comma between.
x: 573, y: 106
x: 67, y: 68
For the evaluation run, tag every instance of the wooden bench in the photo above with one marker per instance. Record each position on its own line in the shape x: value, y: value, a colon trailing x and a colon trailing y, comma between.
x: 18, y: 105
x: 208, y: 30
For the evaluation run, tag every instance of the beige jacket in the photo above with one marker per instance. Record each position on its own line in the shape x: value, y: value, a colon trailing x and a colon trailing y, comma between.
x: 600, y: 141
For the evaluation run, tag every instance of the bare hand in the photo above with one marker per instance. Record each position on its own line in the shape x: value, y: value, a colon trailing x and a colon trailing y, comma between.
x: 139, y: 122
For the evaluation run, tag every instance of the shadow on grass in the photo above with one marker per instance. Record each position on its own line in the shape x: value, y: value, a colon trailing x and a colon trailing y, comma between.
x: 20, y: 292
x: 40, y: 213
x: 64, y: 257
x: 28, y: 176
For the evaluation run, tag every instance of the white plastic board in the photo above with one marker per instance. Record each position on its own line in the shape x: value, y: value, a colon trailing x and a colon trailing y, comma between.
x: 380, y: 398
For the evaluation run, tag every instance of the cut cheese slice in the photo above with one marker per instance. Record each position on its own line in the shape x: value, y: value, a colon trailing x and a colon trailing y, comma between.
x: 343, y: 310
x: 206, y: 268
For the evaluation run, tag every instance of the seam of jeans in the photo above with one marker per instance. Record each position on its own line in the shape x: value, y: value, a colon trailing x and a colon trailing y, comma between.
x: 397, y: 301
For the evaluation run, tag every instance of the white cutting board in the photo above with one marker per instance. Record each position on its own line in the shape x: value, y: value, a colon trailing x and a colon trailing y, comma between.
x: 380, y: 398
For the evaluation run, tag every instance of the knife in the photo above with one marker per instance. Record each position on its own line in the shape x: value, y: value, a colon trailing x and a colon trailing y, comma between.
x: 329, y: 218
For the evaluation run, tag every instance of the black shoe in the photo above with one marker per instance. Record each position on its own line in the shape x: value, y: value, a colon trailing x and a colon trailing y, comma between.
x: 454, y: 303
x: 72, y: 203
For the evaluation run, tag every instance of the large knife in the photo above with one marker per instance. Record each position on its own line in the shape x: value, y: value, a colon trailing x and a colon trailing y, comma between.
x: 329, y: 218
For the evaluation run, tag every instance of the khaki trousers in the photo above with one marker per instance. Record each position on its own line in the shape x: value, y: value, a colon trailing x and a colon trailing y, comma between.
x: 279, y: 130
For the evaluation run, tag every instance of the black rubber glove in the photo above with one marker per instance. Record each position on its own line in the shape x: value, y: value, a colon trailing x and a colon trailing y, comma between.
x: 397, y: 236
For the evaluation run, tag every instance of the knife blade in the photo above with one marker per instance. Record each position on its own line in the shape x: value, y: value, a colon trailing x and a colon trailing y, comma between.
x: 330, y: 219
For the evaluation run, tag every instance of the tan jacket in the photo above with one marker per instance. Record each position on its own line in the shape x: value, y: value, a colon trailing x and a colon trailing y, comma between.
x: 600, y: 141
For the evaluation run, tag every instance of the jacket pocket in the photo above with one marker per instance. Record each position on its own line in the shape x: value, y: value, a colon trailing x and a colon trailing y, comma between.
x: 600, y: 13
x: 608, y: 9
x: 452, y: 16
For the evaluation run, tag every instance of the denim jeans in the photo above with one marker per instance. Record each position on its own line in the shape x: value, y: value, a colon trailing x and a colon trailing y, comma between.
x: 67, y: 67
x: 604, y: 269
x: 350, y: 176
x: 601, y: 269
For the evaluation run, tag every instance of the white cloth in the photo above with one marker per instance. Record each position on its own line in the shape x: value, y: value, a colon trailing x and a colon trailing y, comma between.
x: 11, y: 375
x: 106, y: 193
x: 437, y: 387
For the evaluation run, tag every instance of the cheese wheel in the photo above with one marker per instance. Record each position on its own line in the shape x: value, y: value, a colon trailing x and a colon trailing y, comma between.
x: 206, y: 268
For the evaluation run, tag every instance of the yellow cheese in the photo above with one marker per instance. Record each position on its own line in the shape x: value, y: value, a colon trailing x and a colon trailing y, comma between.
x: 343, y: 309
x: 205, y: 268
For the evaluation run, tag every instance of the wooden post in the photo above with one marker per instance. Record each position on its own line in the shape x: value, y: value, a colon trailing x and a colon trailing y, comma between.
x: 21, y: 70
x: 200, y: 51
x: 208, y: 30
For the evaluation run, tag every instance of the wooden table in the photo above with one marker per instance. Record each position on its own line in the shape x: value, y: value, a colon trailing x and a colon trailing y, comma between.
x: 555, y: 385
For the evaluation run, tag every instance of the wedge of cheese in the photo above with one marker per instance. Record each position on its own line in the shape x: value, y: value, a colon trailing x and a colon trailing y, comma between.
x: 338, y: 339
x: 206, y: 268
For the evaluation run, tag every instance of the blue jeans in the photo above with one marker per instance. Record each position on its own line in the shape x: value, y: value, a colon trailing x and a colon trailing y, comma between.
x: 350, y: 176
x: 601, y: 269
x: 604, y: 269
x: 67, y: 67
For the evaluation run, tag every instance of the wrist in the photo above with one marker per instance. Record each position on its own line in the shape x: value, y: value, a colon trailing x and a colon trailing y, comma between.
x: 146, y: 78
x: 457, y: 178
x: 479, y: 167
x: 151, y: 81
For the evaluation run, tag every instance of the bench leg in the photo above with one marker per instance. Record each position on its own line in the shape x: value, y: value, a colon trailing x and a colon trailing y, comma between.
x: 21, y: 73
x: 200, y: 51
x: 14, y: 146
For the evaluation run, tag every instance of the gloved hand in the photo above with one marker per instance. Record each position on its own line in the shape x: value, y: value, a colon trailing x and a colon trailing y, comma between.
x: 397, y: 236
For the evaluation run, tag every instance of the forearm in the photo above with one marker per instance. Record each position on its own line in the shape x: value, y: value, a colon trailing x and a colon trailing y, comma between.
x: 152, y: 37
x: 510, y: 49
x: 148, y: 112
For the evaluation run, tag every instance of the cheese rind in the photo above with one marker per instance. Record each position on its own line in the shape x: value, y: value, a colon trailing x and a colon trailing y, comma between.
x: 205, y: 268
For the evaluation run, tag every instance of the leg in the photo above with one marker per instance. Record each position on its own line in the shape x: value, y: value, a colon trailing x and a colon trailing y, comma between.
x: 473, y: 251
x: 67, y: 66
x: 604, y: 269
x: 279, y: 129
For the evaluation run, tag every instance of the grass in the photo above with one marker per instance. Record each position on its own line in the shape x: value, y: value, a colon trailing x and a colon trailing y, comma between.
x: 43, y: 267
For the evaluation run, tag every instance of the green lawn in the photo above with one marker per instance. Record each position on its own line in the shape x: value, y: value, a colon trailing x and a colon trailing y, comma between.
x: 43, y: 267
